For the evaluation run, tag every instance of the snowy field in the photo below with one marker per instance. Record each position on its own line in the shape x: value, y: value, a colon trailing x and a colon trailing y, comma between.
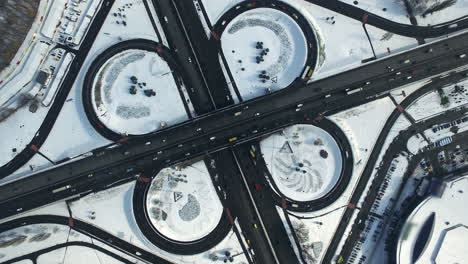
x: 337, y: 29
x: 314, y: 233
x: 112, y: 211
x: 76, y: 254
x: 332, y: 30
x: 449, y: 232
x: 281, y: 37
x: 142, y: 112
x: 456, y: 11
x: 430, y: 104
x: 389, y: 9
x: 19, y: 241
x: 31, y: 238
x: 215, y: 9
x: 72, y: 125
x: 183, y: 204
x: 362, y: 136
x: 18, y: 130
x: 395, y: 10
x: 304, y: 161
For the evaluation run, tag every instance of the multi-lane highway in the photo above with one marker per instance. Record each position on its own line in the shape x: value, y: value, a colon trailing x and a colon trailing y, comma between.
x: 212, y: 131
x: 226, y: 128
x: 179, y: 41
x: 205, y: 54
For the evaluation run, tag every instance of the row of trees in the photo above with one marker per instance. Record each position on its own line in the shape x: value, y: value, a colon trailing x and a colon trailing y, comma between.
x: 427, y: 7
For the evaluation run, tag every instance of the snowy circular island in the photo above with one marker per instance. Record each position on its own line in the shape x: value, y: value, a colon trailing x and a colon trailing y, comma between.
x: 182, y: 203
x: 134, y: 92
x: 304, y: 161
x: 265, y: 49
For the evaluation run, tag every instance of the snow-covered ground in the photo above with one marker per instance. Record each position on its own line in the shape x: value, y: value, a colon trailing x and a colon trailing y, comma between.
x: 430, y: 104
x: 112, y: 211
x: 362, y: 136
x: 76, y: 254
x: 449, y: 232
x: 20, y: 126
x: 401, y: 93
x: 72, y: 125
x: 416, y: 143
x: 362, y: 125
x: 304, y: 161
x: 281, y: 37
x: 140, y: 113
x: 54, y: 15
x: 356, y: 122
x: 18, y: 130
x: 215, y: 9
x: 337, y: 29
x: 19, y: 241
x: 393, y: 10
x: 183, y: 204
x: 456, y: 11
x: 332, y: 29
x: 31, y: 238
x: 314, y: 234
x: 400, y: 124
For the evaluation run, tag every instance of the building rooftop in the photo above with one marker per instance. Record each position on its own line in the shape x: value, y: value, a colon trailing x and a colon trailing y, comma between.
x: 436, y: 231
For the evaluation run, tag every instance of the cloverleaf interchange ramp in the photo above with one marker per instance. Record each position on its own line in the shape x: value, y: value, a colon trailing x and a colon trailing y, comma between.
x: 111, y: 165
x: 223, y: 123
x: 338, y: 6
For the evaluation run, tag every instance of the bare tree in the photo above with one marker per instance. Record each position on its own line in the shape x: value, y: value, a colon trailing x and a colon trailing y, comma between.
x: 426, y: 7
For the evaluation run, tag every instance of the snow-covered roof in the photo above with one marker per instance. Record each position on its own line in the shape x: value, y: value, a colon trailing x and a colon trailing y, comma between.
x: 436, y: 231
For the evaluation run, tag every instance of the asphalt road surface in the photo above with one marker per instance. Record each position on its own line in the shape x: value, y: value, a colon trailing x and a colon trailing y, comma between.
x: 110, y: 165
x: 142, y: 218
x: 35, y: 255
x: 80, y: 56
x: 179, y: 41
x: 391, y: 26
x: 89, y: 230
x: 240, y: 205
x: 205, y: 52
x: 345, y: 219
